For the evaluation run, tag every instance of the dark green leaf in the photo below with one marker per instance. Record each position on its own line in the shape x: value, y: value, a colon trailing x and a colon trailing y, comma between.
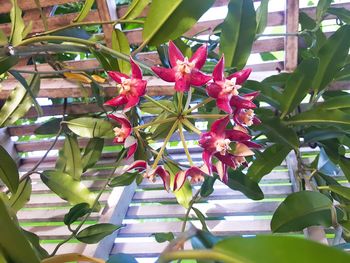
x: 67, y: 188
x: 298, y: 85
x: 176, y: 17
x: 95, y: 233
x: 342, y: 13
x: 316, y: 40
x: 334, y: 103
x: 91, y: 127
x: 84, y: 11
x: 120, y: 43
x: 35, y: 241
x: 123, y: 180
x: 332, y: 57
x: 238, y: 33
x: 149, y: 106
x: 265, y: 162
x: 163, y: 237
x: 261, y: 16
x: 277, y: 249
x: 50, y: 127
x: 22, y: 195
x: 325, y: 165
x: 76, y: 212
x: 8, y: 171
x: 71, y: 153
x: 204, y: 239
x: 300, y: 210
x: 344, y: 164
x: 135, y: 9
x: 243, y: 183
x: 340, y: 190
x: 321, y: 9
x: 201, y: 218
x: 13, y: 241
x: 17, y: 24
x: 121, y: 258
x: 7, y: 62
x: 207, y: 187
x: 92, y: 153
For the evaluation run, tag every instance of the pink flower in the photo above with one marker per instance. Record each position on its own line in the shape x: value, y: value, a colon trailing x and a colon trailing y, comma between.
x: 131, y: 88
x: 224, y: 89
x: 184, y: 72
x: 245, y: 101
x: 245, y: 117
x: 123, y: 133
x: 194, y: 172
x: 228, y: 146
x: 150, y: 174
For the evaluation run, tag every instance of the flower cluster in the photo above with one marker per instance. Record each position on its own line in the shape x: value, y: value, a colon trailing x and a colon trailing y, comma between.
x: 228, y: 141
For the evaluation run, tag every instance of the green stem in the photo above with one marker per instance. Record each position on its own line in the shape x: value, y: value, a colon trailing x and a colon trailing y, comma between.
x: 188, y: 101
x: 84, y: 42
x: 179, y: 106
x: 193, y: 200
x: 189, y: 125
x: 42, y: 15
x: 155, y: 122
x: 159, y: 104
x: 166, y: 140
x: 207, y: 100
x: 198, y: 254
x: 183, y: 140
x: 206, y: 116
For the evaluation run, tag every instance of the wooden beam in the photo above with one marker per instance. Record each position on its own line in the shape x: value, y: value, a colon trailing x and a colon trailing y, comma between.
x: 8, y: 144
x: 108, y: 11
x: 291, y: 42
x: 30, y: 4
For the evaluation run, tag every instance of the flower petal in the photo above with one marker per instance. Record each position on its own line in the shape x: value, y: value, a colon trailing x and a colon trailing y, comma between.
x: 218, y: 127
x: 221, y: 170
x: 207, y: 160
x: 183, y: 83
x: 242, y: 150
x: 218, y: 72
x: 237, y: 136
x: 166, y: 74
x: 137, y: 165
x: 132, y: 150
x: 136, y: 71
x: 256, y: 121
x: 132, y: 101
x: 117, y: 101
x: 214, y: 90
x: 242, y: 103
x: 252, y: 95
x: 227, y: 159
x: 122, y: 119
x: 223, y: 103
x: 117, y: 76
x: 130, y: 141
x: 252, y: 144
x: 241, y: 75
x: 164, y: 175
x: 174, y: 54
x: 139, y: 86
x: 207, y: 141
x: 198, y: 78
x: 179, y: 180
x: 200, y: 56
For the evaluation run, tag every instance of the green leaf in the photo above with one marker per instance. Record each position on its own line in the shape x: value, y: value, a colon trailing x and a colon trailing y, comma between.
x: 344, y: 164
x: 84, y: 11
x: 201, y: 218
x: 8, y: 171
x: 120, y: 43
x: 332, y: 57
x: 334, y: 103
x: 149, y: 106
x: 163, y: 237
x: 121, y: 258
x: 340, y: 190
x: 92, y: 153
x: 123, y: 180
x: 204, y: 239
x: 13, y: 242
x: 71, y: 153
x: 342, y: 13
x: 91, y: 127
x: 22, y: 195
x: 278, y: 132
x: 50, y: 127
x: 300, y: 210
x: 135, y: 9
x: 7, y: 62
x: 265, y: 162
x: 175, y: 18
x: 238, y: 33
x: 321, y: 117
x: 321, y: 9
x: 325, y: 165
x: 316, y: 40
x: 207, y: 187
x: 18, y: 103
x: 261, y: 16
x: 17, y: 24
x: 3, y: 39
x: 277, y: 249
x: 95, y: 233
x: 67, y: 188
x: 35, y: 242
x: 76, y: 212
x: 243, y: 183
x: 298, y: 85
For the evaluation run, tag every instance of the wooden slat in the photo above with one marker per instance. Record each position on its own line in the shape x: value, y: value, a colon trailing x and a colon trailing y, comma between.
x: 30, y: 4
x: 291, y: 42
x: 68, y: 247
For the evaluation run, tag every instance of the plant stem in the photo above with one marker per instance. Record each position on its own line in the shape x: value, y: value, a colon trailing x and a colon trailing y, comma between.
x: 188, y: 101
x: 92, y: 207
x: 166, y: 140
x: 205, y: 116
x: 179, y: 106
x: 207, y: 100
x: 189, y: 125
x: 159, y: 104
x: 42, y: 15
x: 193, y: 200
x: 155, y: 122
x: 184, y: 144
x: 198, y: 254
x: 84, y: 42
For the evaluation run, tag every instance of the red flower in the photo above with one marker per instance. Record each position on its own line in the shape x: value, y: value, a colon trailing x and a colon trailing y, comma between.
x: 149, y: 173
x: 224, y: 89
x: 123, y: 133
x: 218, y: 142
x: 194, y: 172
x: 184, y: 72
x: 245, y: 117
x: 131, y: 88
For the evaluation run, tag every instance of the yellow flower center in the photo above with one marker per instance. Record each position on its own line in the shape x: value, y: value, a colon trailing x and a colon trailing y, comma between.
x: 184, y: 67
x: 125, y: 86
x: 230, y: 87
x: 119, y: 134
x: 222, y: 146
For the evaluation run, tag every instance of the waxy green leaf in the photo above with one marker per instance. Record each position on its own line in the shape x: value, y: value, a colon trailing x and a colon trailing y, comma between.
x: 22, y: 195
x: 120, y: 43
x: 95, y: 233
x: 163, y: 237
x: 135, y: 9
x: 8, y: 171
x: 238, y: 33
x: 300, y: 210
x: 342, y: 13
x: 321, y: 9
x: 17, y: 24
x: 50, y: 127
x: 72, y: 158
x: 243, y: 183
x: 84, y: 11
x: 261, y: 16
x: 201, y: 218
x: 91, y: 127
x: 7, y: 62
x: 76, y: 212
x: 121, y: 258
x: 123, y: 180
x: 92, y: 153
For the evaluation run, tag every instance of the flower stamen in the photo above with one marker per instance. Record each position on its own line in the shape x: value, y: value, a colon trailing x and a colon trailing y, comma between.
x: 222, y: 146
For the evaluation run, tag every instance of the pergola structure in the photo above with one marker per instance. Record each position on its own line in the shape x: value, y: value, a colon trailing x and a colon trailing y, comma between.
x: 141, y: 208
